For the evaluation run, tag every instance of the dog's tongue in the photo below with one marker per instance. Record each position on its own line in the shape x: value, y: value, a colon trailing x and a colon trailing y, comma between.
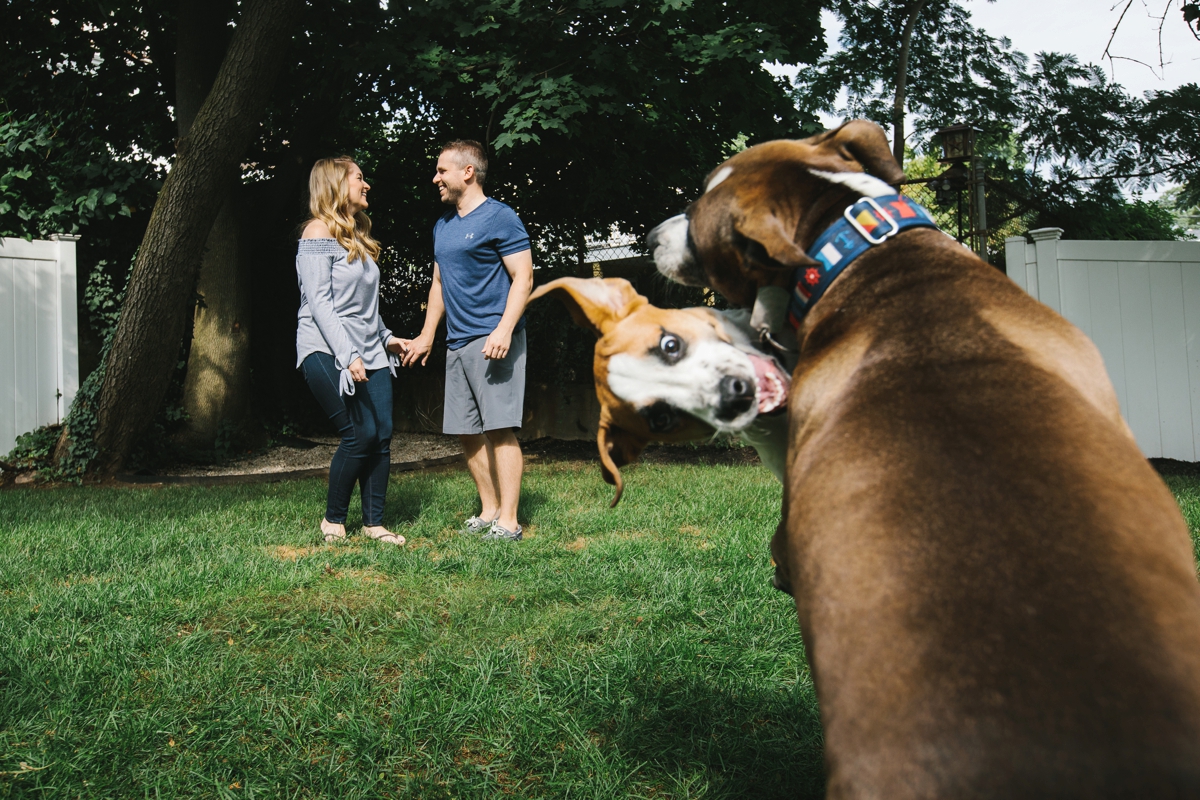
x: 772, y: 383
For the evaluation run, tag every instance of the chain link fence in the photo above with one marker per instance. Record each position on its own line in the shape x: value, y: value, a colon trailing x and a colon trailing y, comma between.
x: 1005, y: 212
x: 617, y: 247
x: 923, y: 192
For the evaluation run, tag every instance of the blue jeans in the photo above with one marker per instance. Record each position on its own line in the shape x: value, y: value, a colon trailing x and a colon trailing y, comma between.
x: 364, y: 421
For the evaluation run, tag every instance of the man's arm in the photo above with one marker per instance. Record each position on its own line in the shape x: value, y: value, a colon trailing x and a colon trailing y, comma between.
x: 418, y: 348
x: 520, y: 269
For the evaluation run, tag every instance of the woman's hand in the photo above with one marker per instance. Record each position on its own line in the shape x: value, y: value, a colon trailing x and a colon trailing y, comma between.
x: 416, y: 350
x: 358, y: 373
x: 396, y: 345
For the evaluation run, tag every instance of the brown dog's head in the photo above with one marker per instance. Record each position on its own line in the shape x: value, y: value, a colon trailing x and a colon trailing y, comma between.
x: 666, y: 375
x: 761, y: 209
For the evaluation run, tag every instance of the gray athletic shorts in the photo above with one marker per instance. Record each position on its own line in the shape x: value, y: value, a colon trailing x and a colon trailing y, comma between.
x: 484, y: 394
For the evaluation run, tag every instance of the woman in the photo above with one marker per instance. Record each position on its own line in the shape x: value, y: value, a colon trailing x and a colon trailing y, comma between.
x: 342, y: 345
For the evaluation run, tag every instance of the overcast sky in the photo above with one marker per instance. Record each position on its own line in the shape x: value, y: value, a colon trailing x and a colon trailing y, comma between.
x: 1083, y: 27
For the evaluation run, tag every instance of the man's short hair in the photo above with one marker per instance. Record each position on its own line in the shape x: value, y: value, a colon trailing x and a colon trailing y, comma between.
x: 469, y: 151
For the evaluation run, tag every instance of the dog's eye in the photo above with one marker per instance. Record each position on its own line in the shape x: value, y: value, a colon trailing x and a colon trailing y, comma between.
x: 671, y: 346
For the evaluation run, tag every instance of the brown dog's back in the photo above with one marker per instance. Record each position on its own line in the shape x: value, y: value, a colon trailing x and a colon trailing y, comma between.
x: 997, y: 592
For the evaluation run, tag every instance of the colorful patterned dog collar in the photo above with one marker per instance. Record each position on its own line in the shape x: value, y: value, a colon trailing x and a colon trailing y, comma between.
x: 869, y: 222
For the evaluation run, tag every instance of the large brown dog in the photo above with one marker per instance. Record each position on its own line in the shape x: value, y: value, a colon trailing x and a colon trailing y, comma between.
x: 997, y: 592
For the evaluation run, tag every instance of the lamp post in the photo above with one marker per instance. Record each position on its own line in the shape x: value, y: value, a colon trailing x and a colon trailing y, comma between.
x: 965, y: 171
x: 958, y: 143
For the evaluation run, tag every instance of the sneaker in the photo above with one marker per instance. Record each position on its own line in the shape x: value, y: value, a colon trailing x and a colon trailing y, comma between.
x: 475, y: 526
x: 499, y: 533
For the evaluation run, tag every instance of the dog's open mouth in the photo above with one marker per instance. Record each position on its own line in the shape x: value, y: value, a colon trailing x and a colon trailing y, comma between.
x: 772, y: 384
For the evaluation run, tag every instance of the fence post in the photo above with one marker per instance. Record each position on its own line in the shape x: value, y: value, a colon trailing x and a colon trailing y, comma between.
x: 68, y: 322
x: 1045, y: 242
x: 978, y: 207
x: 1014, y: 263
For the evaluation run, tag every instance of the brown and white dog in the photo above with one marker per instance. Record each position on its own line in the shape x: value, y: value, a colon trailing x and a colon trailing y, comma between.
x: 673, y: 375
x: 997, y: 592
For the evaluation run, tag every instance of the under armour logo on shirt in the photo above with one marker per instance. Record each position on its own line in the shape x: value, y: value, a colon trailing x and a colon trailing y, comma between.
x: 470, y: 236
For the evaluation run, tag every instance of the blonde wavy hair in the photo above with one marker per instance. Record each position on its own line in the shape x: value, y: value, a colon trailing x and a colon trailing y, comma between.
x: 329, y: 202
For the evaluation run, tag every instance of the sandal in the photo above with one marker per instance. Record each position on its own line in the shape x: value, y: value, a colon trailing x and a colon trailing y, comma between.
x: 382, y: 534
x: 332, y: 531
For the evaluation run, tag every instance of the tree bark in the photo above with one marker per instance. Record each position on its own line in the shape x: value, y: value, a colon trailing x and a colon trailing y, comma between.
x: 160, y: 293
x: 216, y: 385
x: 914, y: 10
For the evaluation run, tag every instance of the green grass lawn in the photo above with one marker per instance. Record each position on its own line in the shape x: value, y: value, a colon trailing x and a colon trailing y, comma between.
x: 1185, y: 484
x: 187, y: 641
x: 196, y: 642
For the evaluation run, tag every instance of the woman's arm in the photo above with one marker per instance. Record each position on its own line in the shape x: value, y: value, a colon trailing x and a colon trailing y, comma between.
x: 315, y: 270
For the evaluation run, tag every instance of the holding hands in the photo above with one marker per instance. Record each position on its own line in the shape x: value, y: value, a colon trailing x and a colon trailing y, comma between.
x: 412, y: 350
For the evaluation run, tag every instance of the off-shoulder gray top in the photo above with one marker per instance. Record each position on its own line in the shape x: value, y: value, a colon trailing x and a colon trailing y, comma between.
x: 339, y: 309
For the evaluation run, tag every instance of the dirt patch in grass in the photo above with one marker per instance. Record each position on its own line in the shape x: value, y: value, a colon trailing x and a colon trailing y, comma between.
x: 704, y: 452
x: 291, y: 453
x: 580, y: 543
x: 286, y: 552
x: 369, y: 576
x: 293, y: 457
x: 339, y: 591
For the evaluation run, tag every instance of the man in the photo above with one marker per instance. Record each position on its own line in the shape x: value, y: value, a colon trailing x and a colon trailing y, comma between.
x: 482, y: 275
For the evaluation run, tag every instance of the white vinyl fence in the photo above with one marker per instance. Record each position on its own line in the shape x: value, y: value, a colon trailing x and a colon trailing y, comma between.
x: 39, y: 344
x: 1140, y: 303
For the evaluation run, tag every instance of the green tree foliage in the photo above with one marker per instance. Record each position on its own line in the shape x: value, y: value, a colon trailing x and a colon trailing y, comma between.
x: 83, y: 112
x: 955, y: 71
x: 1060, y: 137
x: 56, y: 177
x: 1168, y: 138
x: 597, y: 113
x: 84, y: 86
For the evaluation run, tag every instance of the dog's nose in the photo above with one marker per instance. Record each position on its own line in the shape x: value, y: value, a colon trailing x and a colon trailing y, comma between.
x: 670, y: 246
x: 662, y: 232
x: 652, y: 239
x: 737, y: 396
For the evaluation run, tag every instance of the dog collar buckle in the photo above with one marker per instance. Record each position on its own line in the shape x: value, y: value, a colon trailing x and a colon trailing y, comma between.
x: 880, y: 215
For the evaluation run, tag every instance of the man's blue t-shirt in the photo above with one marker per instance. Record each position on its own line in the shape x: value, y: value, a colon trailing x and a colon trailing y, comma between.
x: 475, y: 284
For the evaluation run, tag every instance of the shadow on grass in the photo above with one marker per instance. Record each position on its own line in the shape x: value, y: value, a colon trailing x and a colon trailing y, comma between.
x: 751, y: 744
x: 532, y: 501
x: 406, y: 504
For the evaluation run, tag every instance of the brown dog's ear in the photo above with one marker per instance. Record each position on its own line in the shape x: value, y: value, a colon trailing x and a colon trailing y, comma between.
x: 618, y: 447
x: 867, y: 144
x: 777, y: 240
x: 595, y: 303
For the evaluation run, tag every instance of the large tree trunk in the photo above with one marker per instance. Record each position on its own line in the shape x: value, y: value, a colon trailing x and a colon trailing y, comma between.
x: 216, y: 388
x: 217, y: 383
x: 914, y: 10
x: 160, y: 293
